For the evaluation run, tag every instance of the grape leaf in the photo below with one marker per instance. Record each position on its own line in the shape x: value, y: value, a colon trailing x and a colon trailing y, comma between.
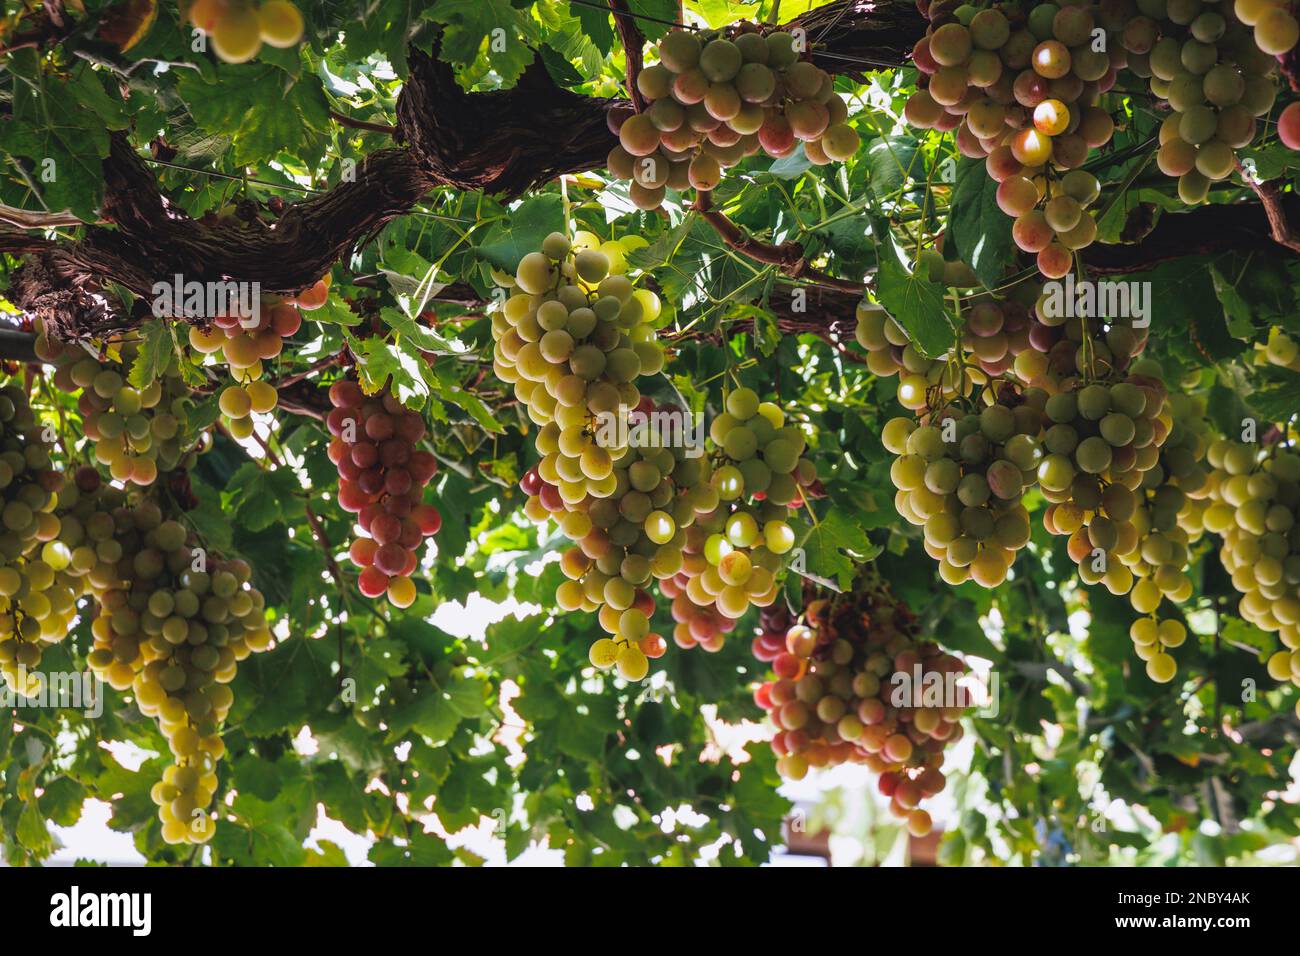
x: 917, y: 304
x: 153, y: 354
x: 832, y: 548
x: 492, y: 26
x: 1278, y: 397
x: 980, y: 231
x: 595, y: 24
x: 262, y: 110
x: 522, y: 231
x: 397, y: 363
x: 64, y: 140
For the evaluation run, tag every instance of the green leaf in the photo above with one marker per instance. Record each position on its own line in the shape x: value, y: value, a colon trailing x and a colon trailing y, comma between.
x: 980, y: 231
x: 262, y: 110
x: 493, y: 28
x: 917, y: 304
x: 263, y: 496
x: 154, y: 354
x: 421, y: 336
x: 398, y: 364
x: 890, y: 161
x: 522, y: 231
x: 656, y: 16
x: 833, y: 548
x: 62, y: 139
x: 1277, y: 398
x: 596, y: 24
x: 32, y: 831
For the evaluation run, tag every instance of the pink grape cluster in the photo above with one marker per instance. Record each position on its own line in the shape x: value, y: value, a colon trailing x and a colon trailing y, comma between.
x: 382, y: 477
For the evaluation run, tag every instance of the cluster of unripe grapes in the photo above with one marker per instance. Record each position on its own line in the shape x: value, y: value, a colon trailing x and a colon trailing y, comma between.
x: 962, y: 477
x: 136, y: 432
x: 172, y: 624
x: 382, y: 477
x: 36, y: 596
x: 1255, y: 495
x: 760, y: 476
x: 573, y: 335
x: 1218, y: 81
x: 1021, y: 90
x: 238, y: 28
x: 714, y: 100
x: 844, y: 690
x: 625, y: 541
x: 1168, y: 519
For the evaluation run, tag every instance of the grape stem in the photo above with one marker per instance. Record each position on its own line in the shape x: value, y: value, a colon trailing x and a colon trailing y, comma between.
x: 1270, y: 196
x: 787, y: 256
x: 629, y: 34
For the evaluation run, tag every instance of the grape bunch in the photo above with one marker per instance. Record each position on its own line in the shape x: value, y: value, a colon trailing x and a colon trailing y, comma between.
x: 625, y: 541
x: 962, y: 477
x: 172, y: 623
x: 693, y: 625
x: 136, y: 432
x: 1168, y: 519
x: 382, y: 477
x: 1255, y: 494
x: 238, y: 28
x: 1204, y: 62
x: 573, y: 337
x: 1022, y: 92
x: 244, y: 343
x: 736, y: 548
x: 714, y: 100
x: 37, y: 597
x: 1102, y: 439
x: 1063, y: 348
x: 840, y: 694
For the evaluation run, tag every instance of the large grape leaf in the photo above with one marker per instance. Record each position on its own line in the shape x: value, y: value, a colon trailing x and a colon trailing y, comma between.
x: 916, y: 303
x: 494, y: 28
x: 60, y: 129
x: 263, y: 110
x: 522, y: 231
x: 980, y: 231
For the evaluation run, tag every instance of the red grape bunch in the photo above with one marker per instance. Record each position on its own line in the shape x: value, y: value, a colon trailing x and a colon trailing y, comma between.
x: 382, y: 477
x: 713, y: 100
x: 840, y: 694
x: 1022, y: 91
